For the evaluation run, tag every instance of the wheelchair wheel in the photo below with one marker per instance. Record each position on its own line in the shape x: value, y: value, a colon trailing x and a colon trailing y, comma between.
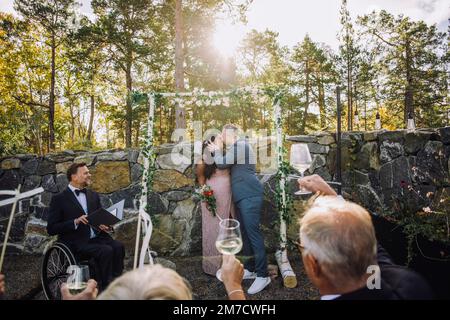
x: 54, y: 269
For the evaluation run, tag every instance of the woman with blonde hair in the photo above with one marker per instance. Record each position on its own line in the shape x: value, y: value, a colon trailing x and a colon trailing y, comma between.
x: 159, y: 283
x: 149, y: 283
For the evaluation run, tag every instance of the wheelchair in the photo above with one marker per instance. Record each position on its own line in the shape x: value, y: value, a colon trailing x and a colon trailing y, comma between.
x: 57, y: 258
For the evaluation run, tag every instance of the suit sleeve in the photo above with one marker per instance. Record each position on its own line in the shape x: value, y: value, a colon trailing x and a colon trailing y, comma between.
x: 383, y: 257
x: 225, y: 162
x: 55, y: 223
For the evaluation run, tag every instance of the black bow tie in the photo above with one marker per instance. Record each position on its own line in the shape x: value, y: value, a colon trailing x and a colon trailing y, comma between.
x: 77, y: 191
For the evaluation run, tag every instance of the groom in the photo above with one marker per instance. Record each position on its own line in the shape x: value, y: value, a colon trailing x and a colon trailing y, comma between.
x: 248, y: 198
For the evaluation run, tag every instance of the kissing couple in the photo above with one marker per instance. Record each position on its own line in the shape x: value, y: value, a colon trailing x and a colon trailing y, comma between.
x: 228, y: 167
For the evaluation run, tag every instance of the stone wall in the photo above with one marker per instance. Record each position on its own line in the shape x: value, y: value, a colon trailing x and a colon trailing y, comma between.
x: 116, y: 175
x: 379, y: 166
x: 375, y: 166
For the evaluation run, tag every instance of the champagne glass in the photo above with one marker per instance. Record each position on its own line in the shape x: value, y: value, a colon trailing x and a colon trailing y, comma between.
x: 78, y: 278
x: 301, y: 161
x: 229, y: 240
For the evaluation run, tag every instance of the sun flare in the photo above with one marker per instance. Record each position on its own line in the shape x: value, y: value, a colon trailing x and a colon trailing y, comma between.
x: 227, y: 37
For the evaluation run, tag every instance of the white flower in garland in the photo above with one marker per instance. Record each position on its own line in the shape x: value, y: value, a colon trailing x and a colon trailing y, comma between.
x: 226, y: 102
x: 262, y: 99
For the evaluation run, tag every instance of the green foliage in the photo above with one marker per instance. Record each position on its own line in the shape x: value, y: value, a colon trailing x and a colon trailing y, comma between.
x: 129, y: 47
x: 432, y: 222
x: 411, y: 65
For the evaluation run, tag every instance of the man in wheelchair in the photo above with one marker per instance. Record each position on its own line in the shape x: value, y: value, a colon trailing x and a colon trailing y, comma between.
x: 68, y: 219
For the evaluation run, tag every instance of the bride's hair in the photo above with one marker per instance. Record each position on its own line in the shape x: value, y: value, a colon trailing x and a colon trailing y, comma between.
x: 210, y: 168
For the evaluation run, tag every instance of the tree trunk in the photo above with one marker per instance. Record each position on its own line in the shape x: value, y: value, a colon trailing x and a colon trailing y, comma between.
x: 129, y: 110
x: 51, y: 105
x: 180, y: 118
x: 107, y: 133
x: 355, y: 99
x: 307, y: 89
x: 136, y: 136
x: 365, y: 115
x: 349, y: 98
x: 323, y: 121
x: 409, y: 108
x: 91, y: 118
x: 72, y: 124
x: 161, y: 133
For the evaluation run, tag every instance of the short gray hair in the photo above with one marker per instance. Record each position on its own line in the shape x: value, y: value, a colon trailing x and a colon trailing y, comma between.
x: 148, y: 283
x: 232, y: 127
x: 340, y: 235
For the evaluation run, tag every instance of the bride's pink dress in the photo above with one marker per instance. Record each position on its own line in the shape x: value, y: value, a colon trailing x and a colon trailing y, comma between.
x: 220, y: 182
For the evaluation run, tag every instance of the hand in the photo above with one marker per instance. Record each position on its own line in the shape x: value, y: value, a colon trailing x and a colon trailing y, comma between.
x: 232, y: 272
x: 212, y: 147
x: 90, y: 293
x: 315, y: 183
x: 2, y: 284
x: 105, y: 228
x: 82, y: 219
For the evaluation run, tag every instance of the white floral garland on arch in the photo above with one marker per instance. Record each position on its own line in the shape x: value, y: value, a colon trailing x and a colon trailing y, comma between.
x: 200, y: 97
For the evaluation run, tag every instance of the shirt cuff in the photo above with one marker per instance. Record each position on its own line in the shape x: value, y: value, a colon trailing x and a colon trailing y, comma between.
x: 75, y: 224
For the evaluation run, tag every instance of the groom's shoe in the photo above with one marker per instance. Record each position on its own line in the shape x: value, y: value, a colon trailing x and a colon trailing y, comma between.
x: 249, y: 275
x: 259, y: 284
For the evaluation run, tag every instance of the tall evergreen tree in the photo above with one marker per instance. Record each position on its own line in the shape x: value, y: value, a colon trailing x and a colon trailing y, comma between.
x: 55, y: 17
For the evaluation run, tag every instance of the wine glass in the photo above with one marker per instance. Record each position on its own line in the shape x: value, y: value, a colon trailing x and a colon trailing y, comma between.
x: 229, y: 240
x: 301, y: 161
x: 78, y: 278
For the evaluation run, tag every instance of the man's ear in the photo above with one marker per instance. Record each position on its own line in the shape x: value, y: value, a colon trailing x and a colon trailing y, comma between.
x: 313, y: 266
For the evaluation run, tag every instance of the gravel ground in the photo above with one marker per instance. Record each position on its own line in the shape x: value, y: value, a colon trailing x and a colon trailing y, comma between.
x: 22, y: 276
x: 206, y: 287
x: 23, y: 280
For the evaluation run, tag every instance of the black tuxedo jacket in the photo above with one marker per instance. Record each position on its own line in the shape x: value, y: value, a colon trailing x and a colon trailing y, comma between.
x: 64, y: 209
x: 397, y: 283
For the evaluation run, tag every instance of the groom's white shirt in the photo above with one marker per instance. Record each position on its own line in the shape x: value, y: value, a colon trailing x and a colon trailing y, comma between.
x: 82, y: 200
x: 330, y: 296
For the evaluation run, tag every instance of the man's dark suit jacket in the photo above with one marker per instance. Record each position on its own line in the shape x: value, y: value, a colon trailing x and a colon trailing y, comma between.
x: 397, y: 283
x: 64, y: 209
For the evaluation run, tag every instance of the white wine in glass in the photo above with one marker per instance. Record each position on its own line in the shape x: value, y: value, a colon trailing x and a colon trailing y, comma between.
x: 301, y: 161
x: 78, y: 278
x: 229, y: 240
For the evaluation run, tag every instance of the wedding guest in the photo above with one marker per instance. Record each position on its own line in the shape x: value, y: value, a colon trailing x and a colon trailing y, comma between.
x: 68, y: 218
x: 159, y: 283
x: 90, y: 293
x: 232, y: 275
x: 149, y: 283
x: 340, y: 252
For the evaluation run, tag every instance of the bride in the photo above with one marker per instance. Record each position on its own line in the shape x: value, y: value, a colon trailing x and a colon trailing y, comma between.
x: 220, y: 182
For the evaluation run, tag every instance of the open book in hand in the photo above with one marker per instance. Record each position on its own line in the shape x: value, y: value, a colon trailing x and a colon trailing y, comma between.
x: 107, y: 217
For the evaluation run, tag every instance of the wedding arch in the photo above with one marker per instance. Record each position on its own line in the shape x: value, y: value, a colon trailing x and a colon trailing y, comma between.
x: 199, y: 97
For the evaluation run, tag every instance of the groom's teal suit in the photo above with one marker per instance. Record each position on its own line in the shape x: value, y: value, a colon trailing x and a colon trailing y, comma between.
x: 248, y: 197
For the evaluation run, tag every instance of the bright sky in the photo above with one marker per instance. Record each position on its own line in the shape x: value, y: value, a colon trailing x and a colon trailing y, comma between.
x: 292, y: 19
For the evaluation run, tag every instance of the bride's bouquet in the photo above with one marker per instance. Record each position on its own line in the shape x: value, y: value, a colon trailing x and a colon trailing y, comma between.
x: 206, y: 194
